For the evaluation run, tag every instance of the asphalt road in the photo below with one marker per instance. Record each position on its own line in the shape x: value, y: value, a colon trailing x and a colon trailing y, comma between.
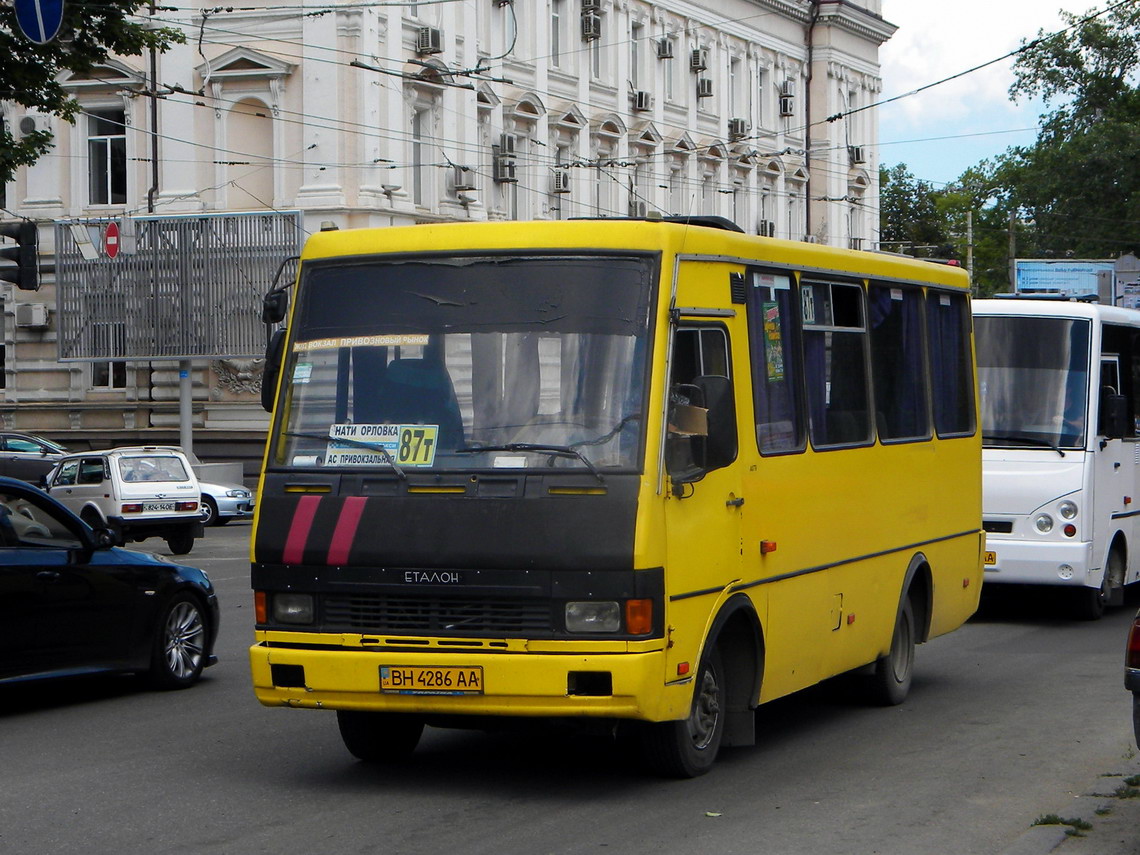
x: 1007, y: 718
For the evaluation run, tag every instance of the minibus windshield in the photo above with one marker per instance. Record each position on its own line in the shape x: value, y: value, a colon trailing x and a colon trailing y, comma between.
x: 502, y: 362
x: 1033, y: 374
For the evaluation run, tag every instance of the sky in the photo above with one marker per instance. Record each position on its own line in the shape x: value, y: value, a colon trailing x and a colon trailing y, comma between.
x: 942, y: 131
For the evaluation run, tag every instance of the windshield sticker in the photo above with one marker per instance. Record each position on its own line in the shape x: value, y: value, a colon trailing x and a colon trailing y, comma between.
x: 508, y: 463
x: 360, y: 341
x: 380, y: 445
x: 302, y: 371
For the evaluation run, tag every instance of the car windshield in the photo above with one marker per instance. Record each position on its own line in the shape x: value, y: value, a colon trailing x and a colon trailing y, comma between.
x: 463, y: 363
x: 1033, y: 374
x: 152, y: 468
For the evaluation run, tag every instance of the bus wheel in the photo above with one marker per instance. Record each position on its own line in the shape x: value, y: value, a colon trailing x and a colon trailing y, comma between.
x: 379, y: 737
x: 688, y: 748
x: 1089, y: 603
x: 890, y: 681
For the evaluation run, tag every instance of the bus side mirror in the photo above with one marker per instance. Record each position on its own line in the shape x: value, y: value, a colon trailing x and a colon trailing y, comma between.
x: 1114, y: 416
x: 274, y: 305
x: 274, y: 352
x: 720, y: 443
x: 702, y: 428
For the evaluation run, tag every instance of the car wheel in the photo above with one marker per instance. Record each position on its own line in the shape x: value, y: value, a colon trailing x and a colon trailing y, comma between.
x: 688, y: 748
x: 376, y: 737
x: 179, y: 646
x: 1089, y: 603
x: 180, y: 542
x: 891, y: 678
x: 209, y: 511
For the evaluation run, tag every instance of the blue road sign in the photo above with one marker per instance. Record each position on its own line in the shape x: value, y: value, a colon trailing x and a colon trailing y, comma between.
x: 39, y: 20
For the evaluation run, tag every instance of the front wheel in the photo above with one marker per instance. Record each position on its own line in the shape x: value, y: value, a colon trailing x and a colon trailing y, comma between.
x: 890, y: 680
x: 209, y: 511
x: 688, y: 748
x: 376, y: 737
x: 179, y: 644
x: 1089, y: 603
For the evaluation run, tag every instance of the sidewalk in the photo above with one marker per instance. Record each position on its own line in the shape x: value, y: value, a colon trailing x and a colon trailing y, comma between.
x: 1110, y: 804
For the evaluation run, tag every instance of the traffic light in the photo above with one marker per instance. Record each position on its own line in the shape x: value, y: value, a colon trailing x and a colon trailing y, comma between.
x: 26, y: 274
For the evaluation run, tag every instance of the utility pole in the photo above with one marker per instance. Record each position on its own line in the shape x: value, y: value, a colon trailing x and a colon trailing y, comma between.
x: 970, y: 248
x: 1012, y: 251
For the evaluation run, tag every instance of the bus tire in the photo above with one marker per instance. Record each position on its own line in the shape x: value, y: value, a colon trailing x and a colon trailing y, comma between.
x: 376, y: 737
x: 688, y: 748
x: 891, y: 677
x: 1089, y: 603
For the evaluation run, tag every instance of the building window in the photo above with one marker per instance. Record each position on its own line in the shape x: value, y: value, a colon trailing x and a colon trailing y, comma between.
x: 109, y: 338
x: 635, y: 35
x: 419, y: 178
x: 3, y: 366
x: 107, y: 157
x: 556, y: 32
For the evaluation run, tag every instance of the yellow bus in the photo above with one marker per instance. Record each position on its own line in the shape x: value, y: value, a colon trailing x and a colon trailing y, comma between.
x: 650, y: 473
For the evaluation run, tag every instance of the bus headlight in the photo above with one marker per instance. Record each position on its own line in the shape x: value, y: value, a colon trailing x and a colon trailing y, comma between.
x: 1067, y: 510
x: 1043, y: 523
x: 293, y: 608
x: 591, y: 616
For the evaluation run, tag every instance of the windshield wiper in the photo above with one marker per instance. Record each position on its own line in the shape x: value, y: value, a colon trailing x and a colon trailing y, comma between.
x: 614, y: 431
x: 555, y: 450
x: 1020, y: 437
x: 358, y: 443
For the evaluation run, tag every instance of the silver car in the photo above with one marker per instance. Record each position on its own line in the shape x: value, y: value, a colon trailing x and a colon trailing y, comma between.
x: 224, y: 502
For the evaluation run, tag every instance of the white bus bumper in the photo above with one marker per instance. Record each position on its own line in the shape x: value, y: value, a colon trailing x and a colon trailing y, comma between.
x: 1023, y: 562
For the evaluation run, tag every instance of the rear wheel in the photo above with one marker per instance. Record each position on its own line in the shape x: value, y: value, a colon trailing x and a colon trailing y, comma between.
x: 181, y: 541
x: 891, y: 678
x: 379, y: 737
x: 688, y: 748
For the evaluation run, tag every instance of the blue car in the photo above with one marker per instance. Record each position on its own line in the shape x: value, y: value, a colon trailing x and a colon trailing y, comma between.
x: 72, y: 602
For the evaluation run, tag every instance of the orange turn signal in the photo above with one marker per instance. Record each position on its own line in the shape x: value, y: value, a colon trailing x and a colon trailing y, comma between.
x: 260, y: 612
x: 639, y: 617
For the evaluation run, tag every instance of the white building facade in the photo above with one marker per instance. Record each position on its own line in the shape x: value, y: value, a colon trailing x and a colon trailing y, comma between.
x: 377, y: 114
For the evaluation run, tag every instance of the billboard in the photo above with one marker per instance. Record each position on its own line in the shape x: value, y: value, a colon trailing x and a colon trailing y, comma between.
x: 1069, y: 277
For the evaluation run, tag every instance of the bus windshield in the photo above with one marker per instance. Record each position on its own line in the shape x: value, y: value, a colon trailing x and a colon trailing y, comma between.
x: 467, y: 362
x: 1034, y: 374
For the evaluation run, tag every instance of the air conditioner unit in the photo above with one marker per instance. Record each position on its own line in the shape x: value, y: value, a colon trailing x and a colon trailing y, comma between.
x: 737, y: 128
x: 788, y: 87
x: 642, y: 101
x: 30, y: 124
x: 429, y: 40
x: 591, y: 26
x: 503, y: 171
x: 699, y: 59
x: 561, y: 181
x: 462, y: 179
x: 767, y: 228
x: 704, y: 87
x: 664, y: 48
x: 507, y: 144
x: 591, y: 6
x: 787, y: 105
x: 858, y: 155
x: 638, y: 209
x: 32, y: 315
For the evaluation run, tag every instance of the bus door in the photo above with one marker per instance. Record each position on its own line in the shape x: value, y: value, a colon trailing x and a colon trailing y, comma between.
x: 1114, y: 465
x: 704, y: 510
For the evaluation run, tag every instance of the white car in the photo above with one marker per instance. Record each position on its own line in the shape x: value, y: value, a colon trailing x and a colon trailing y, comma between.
x: 224, y: 502
x: 137, y: 492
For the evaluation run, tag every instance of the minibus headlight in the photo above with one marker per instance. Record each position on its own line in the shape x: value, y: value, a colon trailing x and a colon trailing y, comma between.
x: 1044, y: 523
x: 1067, y: 510
x: 592, y: 616
x: 293, y: 608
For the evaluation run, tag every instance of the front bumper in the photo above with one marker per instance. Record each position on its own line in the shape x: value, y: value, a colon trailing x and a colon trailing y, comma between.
x: 515, y: 684
x: 234, y: 509
x: 1026, y: 562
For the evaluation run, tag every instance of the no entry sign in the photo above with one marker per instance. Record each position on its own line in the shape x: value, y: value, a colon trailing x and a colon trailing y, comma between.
x: 39, y: 20
x: 111, y: 239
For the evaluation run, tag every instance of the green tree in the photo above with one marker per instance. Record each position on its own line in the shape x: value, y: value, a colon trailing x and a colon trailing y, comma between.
x: 909, y: 220
x: 29, y: 72
x: 1079, y: 183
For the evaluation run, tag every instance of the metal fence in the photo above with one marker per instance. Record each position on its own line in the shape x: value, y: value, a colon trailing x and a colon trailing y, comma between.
x: 180, y: 287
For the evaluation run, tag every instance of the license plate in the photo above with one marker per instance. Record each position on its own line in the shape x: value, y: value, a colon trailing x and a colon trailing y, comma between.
x: 158, y: 506
x: 991, y: 558
x: 402, y: 680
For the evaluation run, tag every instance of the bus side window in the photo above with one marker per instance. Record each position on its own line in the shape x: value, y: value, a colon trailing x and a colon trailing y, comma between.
x: 777, y: 398
x: 702, y: 430
x: 835, y: 364
x: 897, y: 364
x: 947, y: 325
